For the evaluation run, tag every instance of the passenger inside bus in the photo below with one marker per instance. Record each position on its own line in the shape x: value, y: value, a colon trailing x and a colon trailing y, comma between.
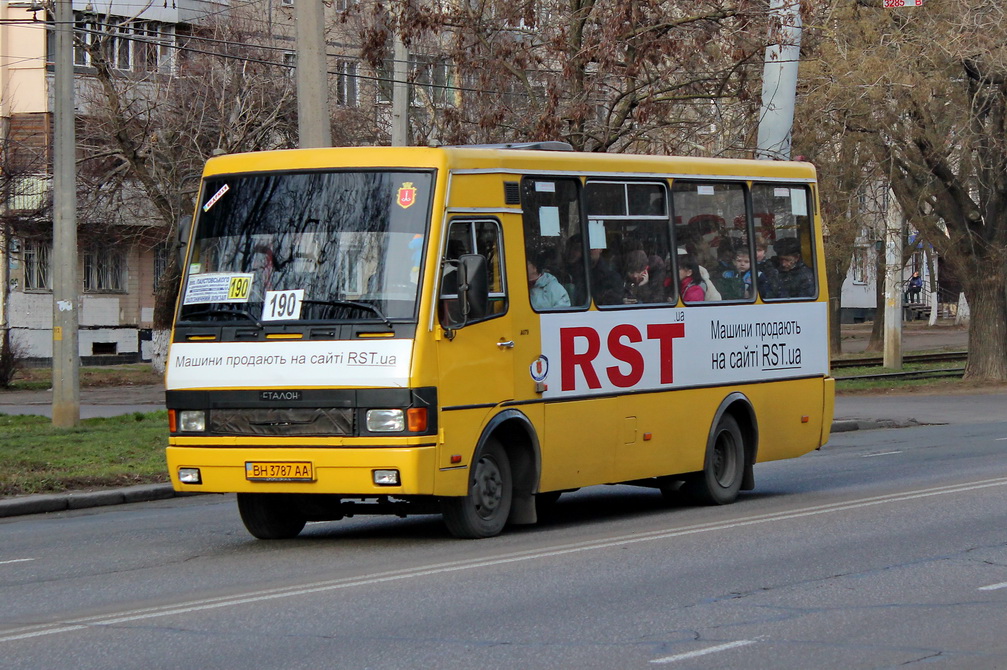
x: 544, y: 290
x: 690, y: 282
x: 797, y: 280
x: 767, y: 276
x: 726, y: 277
x: 606, y: 284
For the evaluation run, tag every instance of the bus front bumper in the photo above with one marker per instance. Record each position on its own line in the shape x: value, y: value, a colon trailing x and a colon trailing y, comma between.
x: 353, y: 472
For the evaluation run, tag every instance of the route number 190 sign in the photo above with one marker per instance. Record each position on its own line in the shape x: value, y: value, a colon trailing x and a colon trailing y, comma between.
x: 903, y: 3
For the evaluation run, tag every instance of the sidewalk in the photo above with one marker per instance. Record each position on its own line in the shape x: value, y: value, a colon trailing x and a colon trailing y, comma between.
x: 862, y: 412
x: 94, y: 401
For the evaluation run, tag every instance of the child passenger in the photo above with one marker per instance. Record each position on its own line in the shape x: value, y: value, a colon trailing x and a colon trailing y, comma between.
x: 690, y: 282
x: 743, y: 262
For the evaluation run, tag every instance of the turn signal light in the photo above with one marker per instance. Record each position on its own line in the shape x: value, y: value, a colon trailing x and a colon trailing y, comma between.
x: 416, y: 418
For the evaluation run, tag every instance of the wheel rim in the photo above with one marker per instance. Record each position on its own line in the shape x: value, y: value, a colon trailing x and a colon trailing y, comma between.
x: 487, y: 487
x: 725, y: 459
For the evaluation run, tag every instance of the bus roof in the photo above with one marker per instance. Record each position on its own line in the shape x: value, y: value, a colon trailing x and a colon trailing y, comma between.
x: 493, y: 158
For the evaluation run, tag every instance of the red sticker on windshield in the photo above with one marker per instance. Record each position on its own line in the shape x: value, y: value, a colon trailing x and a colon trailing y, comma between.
x: 407, y: 195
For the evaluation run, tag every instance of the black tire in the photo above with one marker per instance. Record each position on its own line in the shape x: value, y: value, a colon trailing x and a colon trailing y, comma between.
x: 270, y: 516
x: 484, y: 511
x: 723, y: 469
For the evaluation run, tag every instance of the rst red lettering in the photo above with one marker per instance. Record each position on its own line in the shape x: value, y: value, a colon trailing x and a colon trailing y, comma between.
x: 626, y: 354
x: 665, y: 334
x: 570, y: 359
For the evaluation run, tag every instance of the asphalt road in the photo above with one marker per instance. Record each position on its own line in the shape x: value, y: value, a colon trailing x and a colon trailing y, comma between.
x: 886, y: 548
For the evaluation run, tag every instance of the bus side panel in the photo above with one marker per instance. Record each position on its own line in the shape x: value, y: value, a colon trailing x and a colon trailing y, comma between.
x: 664, y: 433
x: 459, y: 436
x: 789, y: 416
x: 578, y: 446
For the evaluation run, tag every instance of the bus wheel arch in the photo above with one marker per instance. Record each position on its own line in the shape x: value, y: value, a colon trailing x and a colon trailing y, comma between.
x: 741, y: 409
x: 484, y: 510
x: 730, y: 454
x: 509, y: 437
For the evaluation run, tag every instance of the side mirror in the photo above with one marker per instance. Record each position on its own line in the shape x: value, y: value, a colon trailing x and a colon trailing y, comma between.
x: 184, y: 227
x: 464, y: 290
x: 473, y: 286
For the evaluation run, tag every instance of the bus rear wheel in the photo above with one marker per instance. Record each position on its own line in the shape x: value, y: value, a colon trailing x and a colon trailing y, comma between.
x: 270, y: 516
x: 484, y: 510
x: 723, y: 468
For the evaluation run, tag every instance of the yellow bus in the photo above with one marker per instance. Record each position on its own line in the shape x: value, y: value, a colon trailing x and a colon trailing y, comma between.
x: 472, y: 331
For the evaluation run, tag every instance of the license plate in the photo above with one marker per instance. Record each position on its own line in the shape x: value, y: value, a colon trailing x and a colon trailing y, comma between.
x: 279, y: 471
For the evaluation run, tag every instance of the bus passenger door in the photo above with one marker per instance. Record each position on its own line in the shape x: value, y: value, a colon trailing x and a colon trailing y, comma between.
x: 476, y: 352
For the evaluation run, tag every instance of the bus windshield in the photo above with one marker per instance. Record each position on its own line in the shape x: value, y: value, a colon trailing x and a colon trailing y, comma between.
x: 308, y: 246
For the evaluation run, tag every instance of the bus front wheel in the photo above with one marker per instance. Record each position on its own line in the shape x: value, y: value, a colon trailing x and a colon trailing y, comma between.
x: 484, y: 511
x: 723, y: 468
x: 270, y: 516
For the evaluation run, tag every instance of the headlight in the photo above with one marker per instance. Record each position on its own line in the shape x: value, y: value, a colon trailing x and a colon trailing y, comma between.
x: 386, y: 420
x: 386, y: 477
x: 192, y: 421
x: 189, y: 476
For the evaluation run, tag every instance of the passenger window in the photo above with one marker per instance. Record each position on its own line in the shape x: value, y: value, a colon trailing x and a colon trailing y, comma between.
x: 629, y: 243
x: 554, y: 244
x: 713, y: 245
x: 785, y: 253
x: 472, y: 237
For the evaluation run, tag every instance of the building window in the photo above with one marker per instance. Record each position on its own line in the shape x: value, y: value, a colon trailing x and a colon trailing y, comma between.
x: 860, y: 267
x: 430, y: 81
x: 36, y: 257
x: 127, y: 45
x: 160, y: 265
x: 346, y: 83
x: 85, y: 34
x: 28, y: 193
x: 155, y: 47
x: 104, y: 271
x: 433, y: 80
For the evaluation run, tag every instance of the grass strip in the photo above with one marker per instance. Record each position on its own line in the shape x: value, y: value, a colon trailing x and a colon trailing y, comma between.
x: 36, y: 457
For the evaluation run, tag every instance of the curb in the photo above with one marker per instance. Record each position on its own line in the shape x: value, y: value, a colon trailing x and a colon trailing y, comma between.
x: 846, y: 425
x: 58, y: 502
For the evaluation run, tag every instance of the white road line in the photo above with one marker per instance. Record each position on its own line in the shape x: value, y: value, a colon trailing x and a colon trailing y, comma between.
x: 1000, y: 439
x: 883, y: 453
x: 205, y: 604
x: 16, y: 560
x: 703, y: 652
x: 994, y: 587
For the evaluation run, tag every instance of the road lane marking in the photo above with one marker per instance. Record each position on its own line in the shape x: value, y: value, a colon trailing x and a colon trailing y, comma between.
x: 250, y: 597
x: 994, y: 587
x: 703, y: 652
x: 882, y: 453
x: 16, y: 560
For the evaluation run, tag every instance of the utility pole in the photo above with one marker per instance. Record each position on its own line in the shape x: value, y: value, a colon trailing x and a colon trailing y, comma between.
x: 313, y: 129
x: 65, y: 352
x: 779, y: 80
x: 894, y: 222
x: 400, y: 93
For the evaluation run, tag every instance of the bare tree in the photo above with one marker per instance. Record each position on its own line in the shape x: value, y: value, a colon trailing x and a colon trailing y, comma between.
x: 930, y: 88
x: 604, y: 75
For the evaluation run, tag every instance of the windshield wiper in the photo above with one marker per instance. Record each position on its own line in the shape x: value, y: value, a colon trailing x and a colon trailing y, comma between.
x: 352, y: 303
x: 217, y: 311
